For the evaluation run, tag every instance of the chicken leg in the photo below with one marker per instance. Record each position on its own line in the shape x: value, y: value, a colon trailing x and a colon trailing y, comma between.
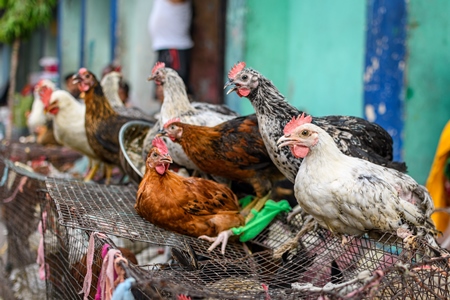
x: 256, y: 204
x: 92, y: 171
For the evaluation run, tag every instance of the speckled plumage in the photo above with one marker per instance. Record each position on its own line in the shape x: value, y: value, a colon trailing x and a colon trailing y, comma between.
x: 349, y: 195
x: 354, y: 136
x: 176, y: 105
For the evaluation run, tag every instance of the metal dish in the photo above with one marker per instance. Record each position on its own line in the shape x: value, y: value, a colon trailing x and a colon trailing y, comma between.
x: 131, y: 139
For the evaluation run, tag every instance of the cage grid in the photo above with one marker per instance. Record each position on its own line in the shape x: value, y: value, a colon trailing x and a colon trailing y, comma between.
x: 315, y: 265
x: 23, y: 169
x: 319, y: 264
x: 19, y: 207
x: 110, y: 209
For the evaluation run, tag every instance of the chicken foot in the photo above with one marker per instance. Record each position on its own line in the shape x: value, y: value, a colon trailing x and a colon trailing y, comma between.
x: 222, y: 238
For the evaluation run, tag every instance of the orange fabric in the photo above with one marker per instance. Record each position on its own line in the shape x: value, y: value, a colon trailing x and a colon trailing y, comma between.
x: 436, y: 180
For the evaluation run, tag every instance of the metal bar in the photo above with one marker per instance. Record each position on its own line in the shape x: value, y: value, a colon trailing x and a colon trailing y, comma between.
x: 113, y: 28
x: 82, y: 33
x: 59, y: 20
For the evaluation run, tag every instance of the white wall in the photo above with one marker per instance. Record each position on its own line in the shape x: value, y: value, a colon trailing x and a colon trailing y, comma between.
x: 135, y: 52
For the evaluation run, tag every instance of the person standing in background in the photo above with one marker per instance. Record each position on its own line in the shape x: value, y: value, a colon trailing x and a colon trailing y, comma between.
x: 169, y: 27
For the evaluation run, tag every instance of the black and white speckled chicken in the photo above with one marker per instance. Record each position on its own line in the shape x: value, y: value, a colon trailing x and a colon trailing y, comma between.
x: 354, y: 136
x: 176, y: 105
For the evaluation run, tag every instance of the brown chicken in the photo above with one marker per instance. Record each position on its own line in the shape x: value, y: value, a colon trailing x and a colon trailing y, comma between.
x: 192, y: 206
x: 233, y: 149
x: 102, y: 123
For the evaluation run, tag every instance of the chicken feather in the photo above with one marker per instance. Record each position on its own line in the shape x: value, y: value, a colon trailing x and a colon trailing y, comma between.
x: 349, y: 195
x: 354, y: 136
x: 233, y: 149
x: 191, y: 206
x: 176, y: 105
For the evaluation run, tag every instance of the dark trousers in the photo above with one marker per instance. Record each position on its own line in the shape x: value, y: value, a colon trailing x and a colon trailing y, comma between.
x: 180, y: 61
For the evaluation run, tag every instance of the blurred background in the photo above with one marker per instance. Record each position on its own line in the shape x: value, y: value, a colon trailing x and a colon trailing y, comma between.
x: 387, y: 61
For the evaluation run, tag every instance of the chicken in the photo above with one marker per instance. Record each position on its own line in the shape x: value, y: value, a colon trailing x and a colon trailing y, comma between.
x: 102, y: 122
x: 349, y: 195
x: 176, y: 105
x: 38, y: 123
x: 233, y: 149
x: 110, y: 85
x: 37, y: 115
x: 192, y: 206
x: 354, y: 136
x: 68, y: 116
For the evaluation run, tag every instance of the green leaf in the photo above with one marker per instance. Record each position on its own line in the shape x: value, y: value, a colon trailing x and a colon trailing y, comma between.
x: 22, y: 17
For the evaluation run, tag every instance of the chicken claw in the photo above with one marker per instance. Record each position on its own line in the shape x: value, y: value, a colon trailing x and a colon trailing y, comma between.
x: 222, y: 238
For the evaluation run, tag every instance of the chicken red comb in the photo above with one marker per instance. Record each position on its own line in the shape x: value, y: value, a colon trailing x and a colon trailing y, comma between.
x: 159, y: 143
x: 45, y: 93
x: 295, y: 122
x: 82, y: 70
x: 40, y: 83
x: 157, y: 66
x: 236, y: 69
x: 171, y: 121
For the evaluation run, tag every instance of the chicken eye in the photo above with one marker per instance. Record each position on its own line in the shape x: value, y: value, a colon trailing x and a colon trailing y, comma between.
x: 245, y: 77
x: 154, y: 154
x: 305, y: 132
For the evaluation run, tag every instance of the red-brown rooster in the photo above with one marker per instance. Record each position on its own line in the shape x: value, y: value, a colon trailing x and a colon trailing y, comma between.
x: 102, y: 121
x: 191, y: 206
x: 354, y: 136
x: 233, y: 149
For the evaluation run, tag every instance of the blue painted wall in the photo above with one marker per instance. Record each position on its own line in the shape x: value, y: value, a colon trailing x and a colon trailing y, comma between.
x: 385, y: 65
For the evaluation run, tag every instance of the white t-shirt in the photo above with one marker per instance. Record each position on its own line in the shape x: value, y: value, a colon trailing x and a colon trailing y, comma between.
x: 169, y: 25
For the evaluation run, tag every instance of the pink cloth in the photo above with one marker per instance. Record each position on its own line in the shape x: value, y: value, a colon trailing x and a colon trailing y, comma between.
x: 108, y: 274
x: 43, y: 267
x: 19, y: 187
x: 89, y: 260
x: 98, y: 295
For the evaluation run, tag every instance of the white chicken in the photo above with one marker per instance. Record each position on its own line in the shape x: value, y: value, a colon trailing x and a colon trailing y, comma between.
x: 68, y: 123
x: 176, y: 105
x: 349, y: 195
x: 37, y: 115
x: 110, y: 85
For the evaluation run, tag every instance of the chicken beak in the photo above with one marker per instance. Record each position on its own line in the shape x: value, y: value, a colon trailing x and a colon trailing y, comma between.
x: 167, y: 159
x: 76, y: 78
x: 160, y: 133
x: 51, y: 106
x: 228, y: 83
x: 284, y: 141
x: 151, y: 77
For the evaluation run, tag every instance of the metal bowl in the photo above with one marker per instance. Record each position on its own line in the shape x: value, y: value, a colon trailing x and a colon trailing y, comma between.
x: 131, y: 139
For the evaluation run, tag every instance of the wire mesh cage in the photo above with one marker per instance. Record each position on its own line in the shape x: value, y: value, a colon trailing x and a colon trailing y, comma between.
x: 290, y: 259
x: 20, y: 217
x: 23, y: 169
x: 315, y: 264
